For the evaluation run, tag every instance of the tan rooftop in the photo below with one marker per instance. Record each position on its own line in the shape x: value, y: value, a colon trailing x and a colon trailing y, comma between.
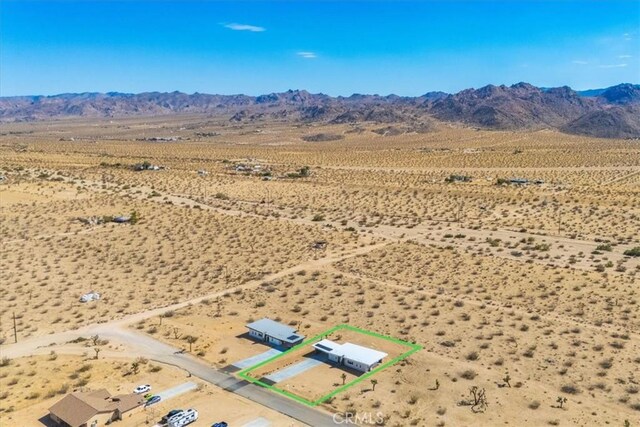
x: 77, y: 408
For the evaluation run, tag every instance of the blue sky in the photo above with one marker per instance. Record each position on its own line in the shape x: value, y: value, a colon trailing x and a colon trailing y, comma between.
x: 339, y: 48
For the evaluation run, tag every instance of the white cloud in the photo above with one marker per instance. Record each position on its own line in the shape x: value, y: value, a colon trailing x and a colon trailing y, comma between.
x: 613, y: 65
x: 625, y: 56
x: 307, y: 55
x: 245, y: 27
x: 579, y: 62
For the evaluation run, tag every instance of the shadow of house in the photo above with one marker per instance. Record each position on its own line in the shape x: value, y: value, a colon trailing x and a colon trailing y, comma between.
x: 47, y: 421
x: 254, y: 341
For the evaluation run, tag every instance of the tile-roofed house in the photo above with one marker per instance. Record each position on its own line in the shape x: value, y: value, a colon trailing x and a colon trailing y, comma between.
x: 93, y: 408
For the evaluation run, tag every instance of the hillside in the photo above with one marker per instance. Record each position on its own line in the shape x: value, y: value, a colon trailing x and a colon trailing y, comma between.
x: 520, y: 106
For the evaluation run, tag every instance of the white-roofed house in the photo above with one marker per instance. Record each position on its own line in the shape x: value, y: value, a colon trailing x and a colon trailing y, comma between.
x: 351, y: 355
x: 274, y: 333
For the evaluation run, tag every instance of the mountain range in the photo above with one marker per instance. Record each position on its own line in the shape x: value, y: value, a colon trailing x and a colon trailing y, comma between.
x: 612, y: 112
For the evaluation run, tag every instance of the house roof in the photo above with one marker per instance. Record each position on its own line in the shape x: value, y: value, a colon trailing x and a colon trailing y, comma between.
x: 354, y: 352
x: 127, y: 402
x: 276, y: 330
x: 77, y: 408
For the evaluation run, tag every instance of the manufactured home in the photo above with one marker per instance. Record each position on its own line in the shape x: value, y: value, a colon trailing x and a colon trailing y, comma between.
x: 353, y: 356
x: 274, y: 333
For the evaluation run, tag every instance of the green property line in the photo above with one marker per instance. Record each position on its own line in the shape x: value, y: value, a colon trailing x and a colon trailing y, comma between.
x: 244, y: 374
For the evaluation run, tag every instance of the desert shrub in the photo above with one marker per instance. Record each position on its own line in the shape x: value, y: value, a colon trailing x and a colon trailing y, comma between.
x: 469, y: 374
x: 570, y: 389
x: 634, y: 252
x: 472, y: 355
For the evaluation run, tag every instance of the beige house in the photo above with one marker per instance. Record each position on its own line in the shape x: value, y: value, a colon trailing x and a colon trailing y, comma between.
x: 93, y: 408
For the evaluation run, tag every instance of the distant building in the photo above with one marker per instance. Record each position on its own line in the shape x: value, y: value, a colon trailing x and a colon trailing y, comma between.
x: 458, y: 178
x: 519, y: 181
x: 91, y: 296
x: 353, y: 356
x: 274, y: 333
x: 94, y: 408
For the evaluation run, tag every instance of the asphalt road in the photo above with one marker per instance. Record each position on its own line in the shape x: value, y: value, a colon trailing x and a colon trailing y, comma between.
x: 140, y: 345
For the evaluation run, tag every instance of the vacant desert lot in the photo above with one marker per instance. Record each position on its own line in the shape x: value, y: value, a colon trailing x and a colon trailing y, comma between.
x: 524, y: 291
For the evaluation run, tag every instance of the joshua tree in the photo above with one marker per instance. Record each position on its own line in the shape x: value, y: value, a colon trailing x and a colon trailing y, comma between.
x: 176, y: 333
x: 190, y: 339
x: 135, y: 367
x: 373, y: 384
x: 344, y: 377
x: 95, y: 339
x: 561, y: 401
x: 507, y: 380
x: 478, y: 401
x: 134, y: 218
x: 97, y: 350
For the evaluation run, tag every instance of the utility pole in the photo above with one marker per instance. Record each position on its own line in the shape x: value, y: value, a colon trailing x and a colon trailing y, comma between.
x: 460, y: 211
x: 15, y: 329
x: 268, y: 191
x: 559, y: 220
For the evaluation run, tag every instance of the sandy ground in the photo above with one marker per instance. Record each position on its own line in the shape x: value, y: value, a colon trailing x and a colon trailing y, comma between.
x: 33, y: 393
x: 529, y: 283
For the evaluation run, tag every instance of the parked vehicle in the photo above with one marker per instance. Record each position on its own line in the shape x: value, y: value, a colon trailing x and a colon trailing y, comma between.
x: 220, y: 424
x: 145, y: 388
x: 183, y: 418
x: 152, y: 400
x: 170, y: 414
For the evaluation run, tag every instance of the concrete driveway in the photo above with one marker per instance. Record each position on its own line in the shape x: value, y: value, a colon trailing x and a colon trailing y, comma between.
x: 258, y: 422
x: 254, y: 360
x: 293, y: 370
x: 177, y: 390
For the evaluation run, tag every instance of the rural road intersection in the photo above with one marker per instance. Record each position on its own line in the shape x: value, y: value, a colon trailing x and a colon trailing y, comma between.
x: 141, y: 345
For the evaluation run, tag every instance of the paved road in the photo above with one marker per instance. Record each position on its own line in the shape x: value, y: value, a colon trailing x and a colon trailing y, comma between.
x: 139, y: 345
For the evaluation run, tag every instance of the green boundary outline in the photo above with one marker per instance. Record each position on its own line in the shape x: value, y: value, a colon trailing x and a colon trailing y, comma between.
x: 413, y: 348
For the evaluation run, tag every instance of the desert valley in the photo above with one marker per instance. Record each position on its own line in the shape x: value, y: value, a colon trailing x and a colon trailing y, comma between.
x: 496, y: 270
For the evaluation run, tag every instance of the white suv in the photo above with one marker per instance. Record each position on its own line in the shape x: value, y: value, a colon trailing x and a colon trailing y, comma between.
x: 142, y: 389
